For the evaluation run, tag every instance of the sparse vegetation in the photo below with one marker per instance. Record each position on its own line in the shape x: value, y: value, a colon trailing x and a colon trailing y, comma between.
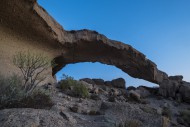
x: 166, y: 111
x: 80, y: 90
x: 67, y: 82
x: 77, y: 89
x: 10, y: 90
x: 17, y: 92
x: 12, y: 95
x: 32, y: 66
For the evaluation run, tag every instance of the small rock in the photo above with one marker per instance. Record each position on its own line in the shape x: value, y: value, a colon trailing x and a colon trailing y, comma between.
x: 95, y: 97
x: 166, y: 105
x: 80, y: 100
x: 68, y: 117
x: 159, y: 111
x: 112, y: 99
x: 143, y: 101
x: 96, y: 90
x: 75, y: 109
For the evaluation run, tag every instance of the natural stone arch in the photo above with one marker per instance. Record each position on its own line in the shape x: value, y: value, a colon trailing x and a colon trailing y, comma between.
x: 31, y: 27
x: 90, y: 46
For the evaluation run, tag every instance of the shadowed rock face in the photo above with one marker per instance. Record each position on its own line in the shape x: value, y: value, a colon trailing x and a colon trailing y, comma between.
x: 39, y: 31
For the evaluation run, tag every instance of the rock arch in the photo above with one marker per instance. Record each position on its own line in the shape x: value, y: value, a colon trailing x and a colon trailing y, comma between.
x: 98, y: 48
x: 31, y: 27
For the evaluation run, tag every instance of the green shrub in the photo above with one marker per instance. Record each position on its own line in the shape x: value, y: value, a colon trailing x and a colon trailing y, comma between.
x: 76, y: 89
x: 12, y: 95
x: 166, y: 111
x: 79, y: 90
x: 67, y: 82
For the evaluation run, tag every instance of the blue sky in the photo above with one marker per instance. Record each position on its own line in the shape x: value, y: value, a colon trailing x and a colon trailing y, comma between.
x: 158, y: 28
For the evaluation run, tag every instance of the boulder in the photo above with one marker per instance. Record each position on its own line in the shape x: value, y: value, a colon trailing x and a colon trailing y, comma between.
x: 177, y: 77
x: 131, y: 88
x: 143, y: 92
x: 152, y: 90
x: 185, y: 92
x: 169, y: 88
x: 88, y: 80
x: 108, y: 83
x: 98, y: 81
x: 134, y: 95
x: 118, y: 83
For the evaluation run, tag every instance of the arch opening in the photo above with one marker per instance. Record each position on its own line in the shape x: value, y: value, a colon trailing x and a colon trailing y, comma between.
x: 98, y: 70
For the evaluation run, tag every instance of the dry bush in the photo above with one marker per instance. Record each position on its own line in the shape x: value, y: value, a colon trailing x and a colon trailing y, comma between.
x: 32, y: 66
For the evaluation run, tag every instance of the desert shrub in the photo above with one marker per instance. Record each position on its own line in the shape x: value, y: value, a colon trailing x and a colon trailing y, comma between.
x: 166, y: 111
x: 130, y: 123
x: 185, y: 114
x: 67, y: 82
x: 76, y: 89
x: 12, y: 95
x: 80, y: 90
x: 10, y: 90
x: 38, y: 100
x: 31, y: 65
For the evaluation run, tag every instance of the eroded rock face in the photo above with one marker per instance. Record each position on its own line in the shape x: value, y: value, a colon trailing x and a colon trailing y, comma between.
x: 29, y: 26
x: 176, y: 88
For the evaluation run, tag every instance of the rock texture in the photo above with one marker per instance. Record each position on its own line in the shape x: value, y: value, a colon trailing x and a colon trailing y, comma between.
x: 175, y: 88
x: 31, y: 118
x: 26, y: 25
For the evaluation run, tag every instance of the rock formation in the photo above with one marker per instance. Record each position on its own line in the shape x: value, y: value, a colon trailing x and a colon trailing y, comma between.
x: 175, y: 88
x: 24, y: 25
